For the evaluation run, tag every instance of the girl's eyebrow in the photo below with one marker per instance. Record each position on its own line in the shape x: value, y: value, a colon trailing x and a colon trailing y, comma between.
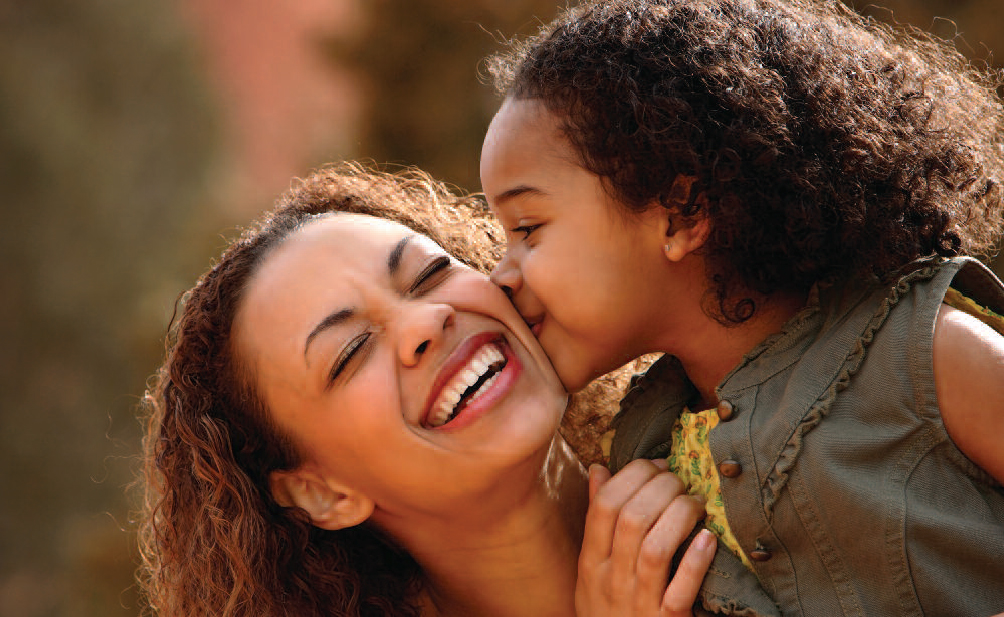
x: 517, y: 192
x: 332, y: 320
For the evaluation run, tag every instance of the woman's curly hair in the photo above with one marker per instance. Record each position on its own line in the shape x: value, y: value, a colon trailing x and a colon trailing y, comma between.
x: 213, y: 540
x: 819, y: 143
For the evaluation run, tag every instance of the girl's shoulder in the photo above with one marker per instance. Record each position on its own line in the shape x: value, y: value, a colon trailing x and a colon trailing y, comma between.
x: 969, y: 379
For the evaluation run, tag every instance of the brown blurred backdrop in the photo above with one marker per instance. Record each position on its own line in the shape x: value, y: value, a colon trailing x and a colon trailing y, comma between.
x: 134, y: 137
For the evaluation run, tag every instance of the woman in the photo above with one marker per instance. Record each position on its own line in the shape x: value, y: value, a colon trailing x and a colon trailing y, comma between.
x: 352, y: 422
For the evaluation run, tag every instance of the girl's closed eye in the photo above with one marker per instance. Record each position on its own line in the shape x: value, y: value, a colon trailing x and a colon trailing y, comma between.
x: 526, y: 230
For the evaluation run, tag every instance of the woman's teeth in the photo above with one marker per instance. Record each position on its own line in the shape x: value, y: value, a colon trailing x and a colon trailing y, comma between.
x: 467, y: 384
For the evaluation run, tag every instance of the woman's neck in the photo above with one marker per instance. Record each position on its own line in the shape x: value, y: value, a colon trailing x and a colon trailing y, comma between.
x: 518, y: 562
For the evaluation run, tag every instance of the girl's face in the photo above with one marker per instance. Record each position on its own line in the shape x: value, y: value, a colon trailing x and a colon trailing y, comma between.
x: 584, y: 273
x: 397, y: 371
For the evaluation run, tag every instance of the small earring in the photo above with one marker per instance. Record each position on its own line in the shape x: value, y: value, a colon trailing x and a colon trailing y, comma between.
x: 670, y: 245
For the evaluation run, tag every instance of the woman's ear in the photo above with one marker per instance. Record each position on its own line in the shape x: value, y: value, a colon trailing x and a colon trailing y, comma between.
x: 330, y: 505
x: 685, y: 239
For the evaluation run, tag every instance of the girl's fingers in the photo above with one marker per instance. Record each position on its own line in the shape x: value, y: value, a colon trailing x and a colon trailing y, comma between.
x: 655, y: 554
x: 606, y: 504
x: 650, y: 504
x: 598, y: 475
x: 682, y: 591
x: 637, y: 520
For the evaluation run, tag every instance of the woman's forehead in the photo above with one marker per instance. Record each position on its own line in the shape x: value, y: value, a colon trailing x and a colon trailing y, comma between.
x: 331, y: 250
x: 360, y: 230
x: 345, y: 225
x: 329, y: 264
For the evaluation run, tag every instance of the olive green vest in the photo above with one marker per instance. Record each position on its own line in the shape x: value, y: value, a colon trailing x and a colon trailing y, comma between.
x: 838, y: 477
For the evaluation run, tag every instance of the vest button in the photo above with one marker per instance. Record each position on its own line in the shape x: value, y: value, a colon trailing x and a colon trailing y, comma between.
x: 760, y: 554
x: 730, y: 468
x: 725, y: 411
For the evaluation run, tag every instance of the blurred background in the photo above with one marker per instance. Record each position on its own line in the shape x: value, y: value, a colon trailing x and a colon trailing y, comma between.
x: 134, y: 138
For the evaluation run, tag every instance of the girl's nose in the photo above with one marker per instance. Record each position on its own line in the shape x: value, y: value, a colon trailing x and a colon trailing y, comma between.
x: 421, y: 328
x: 506, y: 275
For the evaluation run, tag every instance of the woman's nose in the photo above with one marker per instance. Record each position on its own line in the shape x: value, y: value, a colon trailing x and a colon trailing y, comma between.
x: 506, y: 275
x: 421, y: 328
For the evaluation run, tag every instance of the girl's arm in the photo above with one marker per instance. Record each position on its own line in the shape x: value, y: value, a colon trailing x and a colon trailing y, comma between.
x: 969, y: 379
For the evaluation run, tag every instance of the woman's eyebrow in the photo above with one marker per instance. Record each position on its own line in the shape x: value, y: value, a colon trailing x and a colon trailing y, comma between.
x: 394, y: 259
x: 330, y: 321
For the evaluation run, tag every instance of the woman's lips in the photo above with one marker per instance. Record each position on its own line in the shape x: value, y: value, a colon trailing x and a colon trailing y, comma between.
x: 467, y: 384
x: 457, y: 361
x: 475, y: 377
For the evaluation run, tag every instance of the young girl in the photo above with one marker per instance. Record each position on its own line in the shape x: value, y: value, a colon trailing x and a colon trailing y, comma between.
x: 778, y: 196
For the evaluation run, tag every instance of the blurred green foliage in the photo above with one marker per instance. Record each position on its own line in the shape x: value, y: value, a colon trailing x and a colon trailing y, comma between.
x: 106, y: 142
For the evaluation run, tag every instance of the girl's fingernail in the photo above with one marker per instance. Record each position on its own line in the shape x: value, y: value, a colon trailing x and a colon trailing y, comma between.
x: 661, y: 463
x: 704, y: 540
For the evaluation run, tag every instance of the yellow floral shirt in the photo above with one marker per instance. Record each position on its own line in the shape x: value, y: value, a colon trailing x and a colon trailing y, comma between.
x: 690, y: 459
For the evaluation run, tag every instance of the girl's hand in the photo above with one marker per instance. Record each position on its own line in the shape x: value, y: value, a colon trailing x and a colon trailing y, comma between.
x: 636, y: 521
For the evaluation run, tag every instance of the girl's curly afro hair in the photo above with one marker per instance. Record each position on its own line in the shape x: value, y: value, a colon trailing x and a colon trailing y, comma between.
x: 820, y: 143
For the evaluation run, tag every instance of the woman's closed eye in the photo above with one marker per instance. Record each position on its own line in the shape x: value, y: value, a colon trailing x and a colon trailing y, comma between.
x: 430, y: 276
x: 351, y: 355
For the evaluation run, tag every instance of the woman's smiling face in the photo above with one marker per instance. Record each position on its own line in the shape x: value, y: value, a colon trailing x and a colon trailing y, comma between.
x: 395, y: 369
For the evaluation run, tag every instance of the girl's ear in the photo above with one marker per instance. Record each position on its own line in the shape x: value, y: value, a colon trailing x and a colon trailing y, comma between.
x: 330, y: 505
x: 685, y: 239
